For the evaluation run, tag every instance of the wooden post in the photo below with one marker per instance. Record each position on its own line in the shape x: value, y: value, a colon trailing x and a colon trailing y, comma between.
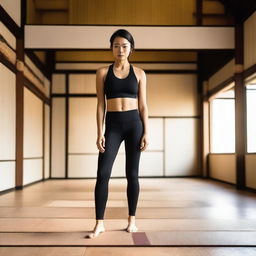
x: 240, y: 108
x: 19, y: 115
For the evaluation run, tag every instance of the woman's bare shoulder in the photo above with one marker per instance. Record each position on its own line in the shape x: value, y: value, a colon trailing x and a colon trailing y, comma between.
x: 139, y: 72
x: 102, y: 71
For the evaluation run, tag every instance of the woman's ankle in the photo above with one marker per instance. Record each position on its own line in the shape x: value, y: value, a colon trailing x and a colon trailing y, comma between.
x: 100, y: 222
x: 131, y: 218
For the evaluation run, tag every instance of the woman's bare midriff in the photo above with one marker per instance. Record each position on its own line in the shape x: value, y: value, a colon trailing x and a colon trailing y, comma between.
x: 122, y: 104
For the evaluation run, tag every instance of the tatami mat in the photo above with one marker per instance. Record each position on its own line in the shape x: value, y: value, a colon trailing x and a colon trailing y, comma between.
x: 121, y: 212
x: 44, y: 251
x: 122, y: 238
x: 163, y: 251
x: 127, y: 251
x: 197, y: 214
x: 66, y: 239
x: 79, y: 225
x: 123, y: 203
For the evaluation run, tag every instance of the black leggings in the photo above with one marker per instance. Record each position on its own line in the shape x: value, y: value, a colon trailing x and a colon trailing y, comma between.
x: 127, y: 126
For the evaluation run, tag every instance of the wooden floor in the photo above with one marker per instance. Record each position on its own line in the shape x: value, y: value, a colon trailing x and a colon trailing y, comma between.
x: 178, y: 216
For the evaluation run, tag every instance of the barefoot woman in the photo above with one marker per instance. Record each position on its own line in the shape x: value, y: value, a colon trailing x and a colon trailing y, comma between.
x: 126, y: 119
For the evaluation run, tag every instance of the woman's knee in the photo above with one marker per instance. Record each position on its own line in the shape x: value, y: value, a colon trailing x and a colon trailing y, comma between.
x: 132, y: 175
x: 103, y: 176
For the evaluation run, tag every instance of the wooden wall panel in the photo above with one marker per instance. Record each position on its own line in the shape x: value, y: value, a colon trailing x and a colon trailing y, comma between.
x: 250, y: 41
x: 33, y: 15
x: 45, y: 82
x: 145, y: 66
x: 137, y: 56
x: 155, y: 12
x: 58, y: 83
x: 223, y: 167
x: 250, y: 169
x: 41, y: 55
x: 82, y: 83
x: 54, y: 17
x: 221, y: 75
x: 172, y: 95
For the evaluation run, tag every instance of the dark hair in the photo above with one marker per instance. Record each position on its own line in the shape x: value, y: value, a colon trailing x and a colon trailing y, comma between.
x: 122, y: 33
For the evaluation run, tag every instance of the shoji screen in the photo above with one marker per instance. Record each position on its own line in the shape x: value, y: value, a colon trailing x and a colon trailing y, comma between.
x: 152, y: 160
x: 33, y: 138
x: 173, y: 128
x: 82, y: 137
x: 58, y: 127
x: 181, y: 147
x: 58, y: 138
x: 82, y: 149
x: 173, y: 98
x: 7, y: 128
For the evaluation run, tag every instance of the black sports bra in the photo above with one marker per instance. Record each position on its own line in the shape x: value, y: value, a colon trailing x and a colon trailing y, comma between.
x: 115, y: 87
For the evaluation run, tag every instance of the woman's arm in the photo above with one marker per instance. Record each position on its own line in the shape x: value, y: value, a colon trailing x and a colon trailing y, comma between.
x: 143, y: 109
x: 100, y: 115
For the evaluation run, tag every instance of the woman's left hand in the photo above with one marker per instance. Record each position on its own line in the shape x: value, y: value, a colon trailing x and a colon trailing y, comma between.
x: 144, y: 142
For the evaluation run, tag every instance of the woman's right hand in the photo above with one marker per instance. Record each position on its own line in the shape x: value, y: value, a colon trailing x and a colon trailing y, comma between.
x: 101, y: 143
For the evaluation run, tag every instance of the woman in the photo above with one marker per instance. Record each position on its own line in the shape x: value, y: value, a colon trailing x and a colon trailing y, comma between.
x: 126, y: 119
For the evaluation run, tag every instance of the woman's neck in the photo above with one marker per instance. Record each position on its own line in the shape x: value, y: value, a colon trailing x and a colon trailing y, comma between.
x: 122, y: 64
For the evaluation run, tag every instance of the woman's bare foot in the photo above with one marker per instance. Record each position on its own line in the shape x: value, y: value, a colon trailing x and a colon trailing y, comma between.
x: 99, y: 228
x: 131, y: 225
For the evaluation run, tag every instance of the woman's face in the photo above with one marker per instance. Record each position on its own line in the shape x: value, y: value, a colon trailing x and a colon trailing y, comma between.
x: 121, y: 48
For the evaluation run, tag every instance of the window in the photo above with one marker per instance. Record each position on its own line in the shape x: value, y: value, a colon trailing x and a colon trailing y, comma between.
x: 223, y: 123
x: 251, y: 117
